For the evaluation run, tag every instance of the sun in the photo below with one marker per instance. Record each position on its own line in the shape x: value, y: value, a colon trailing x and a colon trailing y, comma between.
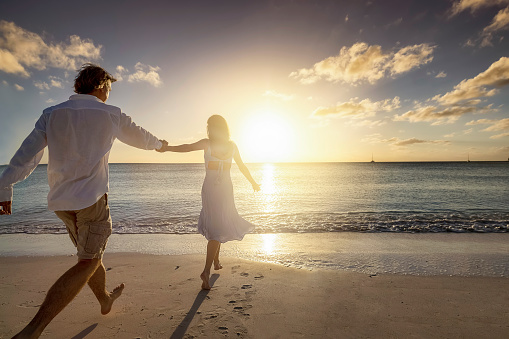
x: 267, y: 137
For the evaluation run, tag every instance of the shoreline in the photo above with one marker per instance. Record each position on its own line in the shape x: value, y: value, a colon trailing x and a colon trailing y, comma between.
x: 251, y: 299
x: 435, y: 254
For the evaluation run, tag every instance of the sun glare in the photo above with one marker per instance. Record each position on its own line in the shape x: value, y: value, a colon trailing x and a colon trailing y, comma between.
x: 267, y: 137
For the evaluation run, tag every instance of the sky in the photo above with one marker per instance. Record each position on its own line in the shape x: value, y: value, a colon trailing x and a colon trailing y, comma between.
x: 297, y: 81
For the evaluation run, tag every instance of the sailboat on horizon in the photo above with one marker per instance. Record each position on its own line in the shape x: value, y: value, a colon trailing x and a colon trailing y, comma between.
x: 372, y: 160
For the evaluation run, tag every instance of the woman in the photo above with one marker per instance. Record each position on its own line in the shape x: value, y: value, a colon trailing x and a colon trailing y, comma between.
x: 219, y: 220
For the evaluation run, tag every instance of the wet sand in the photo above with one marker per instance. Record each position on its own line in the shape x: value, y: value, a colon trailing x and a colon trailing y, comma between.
x: 251, y: 299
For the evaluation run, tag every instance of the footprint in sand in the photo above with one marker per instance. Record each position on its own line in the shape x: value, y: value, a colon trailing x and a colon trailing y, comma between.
x: 246, y: 286
x: 259, y: 276
x: 244, y: 274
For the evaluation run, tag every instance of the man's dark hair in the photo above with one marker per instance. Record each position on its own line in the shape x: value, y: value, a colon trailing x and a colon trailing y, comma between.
x: 90, y: 77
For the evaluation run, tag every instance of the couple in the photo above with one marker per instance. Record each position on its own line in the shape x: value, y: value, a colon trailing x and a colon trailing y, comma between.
x: 79, y: 134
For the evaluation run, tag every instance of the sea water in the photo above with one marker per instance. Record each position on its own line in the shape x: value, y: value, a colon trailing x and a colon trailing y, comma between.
x: 295, y: 198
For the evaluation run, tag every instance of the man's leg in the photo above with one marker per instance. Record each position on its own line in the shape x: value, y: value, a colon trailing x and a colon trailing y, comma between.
x: 59, y: 295
x: 97, y: 284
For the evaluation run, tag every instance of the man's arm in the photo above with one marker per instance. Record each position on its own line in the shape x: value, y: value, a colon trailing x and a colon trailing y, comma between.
x: 22, y: 164
x: 134, y: 135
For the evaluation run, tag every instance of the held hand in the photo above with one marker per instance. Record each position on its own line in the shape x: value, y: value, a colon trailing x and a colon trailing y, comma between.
x: 163, y: 148
x: 5, y: 207
x: 256, y: 187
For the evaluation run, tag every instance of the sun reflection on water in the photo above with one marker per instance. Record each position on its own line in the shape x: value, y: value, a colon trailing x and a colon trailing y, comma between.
x: 270, y: 194
x: 269, y: 243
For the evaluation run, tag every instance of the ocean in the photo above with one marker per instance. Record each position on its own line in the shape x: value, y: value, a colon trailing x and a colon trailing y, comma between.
x: 417, y: 197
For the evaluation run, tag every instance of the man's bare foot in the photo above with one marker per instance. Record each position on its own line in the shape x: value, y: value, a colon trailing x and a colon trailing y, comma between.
x: 218, y: 266
x: 205, y: 277
x: 106, y: 307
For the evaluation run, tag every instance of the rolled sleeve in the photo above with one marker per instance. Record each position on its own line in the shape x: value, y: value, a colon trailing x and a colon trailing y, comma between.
x: 134, y: 135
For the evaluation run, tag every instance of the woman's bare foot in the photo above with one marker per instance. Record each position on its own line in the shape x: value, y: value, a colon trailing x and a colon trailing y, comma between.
x: 106, y: 307
x: 217, y: 266
x: 205, y: 277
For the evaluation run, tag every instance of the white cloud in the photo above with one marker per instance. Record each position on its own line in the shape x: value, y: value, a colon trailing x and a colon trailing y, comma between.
x: 18, y: 87
x: 364, y: 63
x: 442, y: 74
x: 395, y: 141
x: 56, y: 82
x: 497, y: 75
x: 9, y: 64
x: 50, y: 101
x: 146, y: 73
x: 21, y: 50
x: 42, y: 85
x: 438, y: 115
x: 372, y: 138
x: 474, y: 5
x: 53, y: 82
x: 358, y: 109
x: 120, y: 72
x: 412, y: 141
x: 280, y: 96
x: 500, y: 22
x: 495, y: 126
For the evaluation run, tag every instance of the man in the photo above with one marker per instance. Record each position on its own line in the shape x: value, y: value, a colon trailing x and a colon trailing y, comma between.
x: 79, y: 134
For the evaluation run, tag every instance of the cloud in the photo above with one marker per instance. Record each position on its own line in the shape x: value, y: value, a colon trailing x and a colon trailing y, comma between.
x: 56, y: 82
x: 495, y: 126
x: 442, y: 74
x: 364, y: 63
x: 21, y: 50
x: 497, y: 75
x: 412, y: 141
x: 42, y: 85
x: 500, y: 22
x: 358, y: 109
x: 474, y: 5
x: 145, y: 73
x: 9, y: 64
x: 372, y: 138
x: 120, y: 72
x: 395, y: 141
x: 280, y: 96
x: 439, y: 115
x: 18, y: 87
x: 53, y: 82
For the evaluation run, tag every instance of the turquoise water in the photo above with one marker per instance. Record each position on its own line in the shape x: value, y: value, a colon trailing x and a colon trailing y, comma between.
x: 295, y: 198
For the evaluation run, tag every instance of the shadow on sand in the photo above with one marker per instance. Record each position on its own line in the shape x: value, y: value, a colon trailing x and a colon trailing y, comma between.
x: 184, y: 324
x: 85, y: 332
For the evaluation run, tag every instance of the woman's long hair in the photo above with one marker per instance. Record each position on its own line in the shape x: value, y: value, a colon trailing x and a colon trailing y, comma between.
x: 217, y: 129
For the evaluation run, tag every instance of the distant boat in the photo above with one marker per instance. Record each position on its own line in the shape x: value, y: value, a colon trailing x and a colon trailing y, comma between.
x: 468, y: 157
x: 374, y: 160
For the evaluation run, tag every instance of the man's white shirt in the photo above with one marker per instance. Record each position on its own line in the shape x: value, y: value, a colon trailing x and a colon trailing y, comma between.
x: 79, y: 134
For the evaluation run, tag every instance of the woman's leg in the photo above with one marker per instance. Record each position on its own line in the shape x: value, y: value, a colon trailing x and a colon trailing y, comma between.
x: 217, y: 264
x: 212, y: 248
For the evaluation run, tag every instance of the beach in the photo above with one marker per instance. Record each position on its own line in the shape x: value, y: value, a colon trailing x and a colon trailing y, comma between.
x: 254, y: 298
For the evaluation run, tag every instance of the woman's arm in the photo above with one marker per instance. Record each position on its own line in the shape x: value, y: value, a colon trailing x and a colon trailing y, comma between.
x: 199, y: 145
x: 243, y: 168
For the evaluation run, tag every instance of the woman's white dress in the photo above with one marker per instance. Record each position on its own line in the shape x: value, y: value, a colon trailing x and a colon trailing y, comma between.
x: 219, y: 219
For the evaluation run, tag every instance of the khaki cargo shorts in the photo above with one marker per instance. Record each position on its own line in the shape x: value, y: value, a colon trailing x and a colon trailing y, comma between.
x: 89, y: 228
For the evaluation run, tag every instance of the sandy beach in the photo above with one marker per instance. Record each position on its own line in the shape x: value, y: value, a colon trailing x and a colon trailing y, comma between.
x: 250, y: 299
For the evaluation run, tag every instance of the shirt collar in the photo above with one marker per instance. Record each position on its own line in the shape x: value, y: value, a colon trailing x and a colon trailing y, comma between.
x: 85, y: 97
